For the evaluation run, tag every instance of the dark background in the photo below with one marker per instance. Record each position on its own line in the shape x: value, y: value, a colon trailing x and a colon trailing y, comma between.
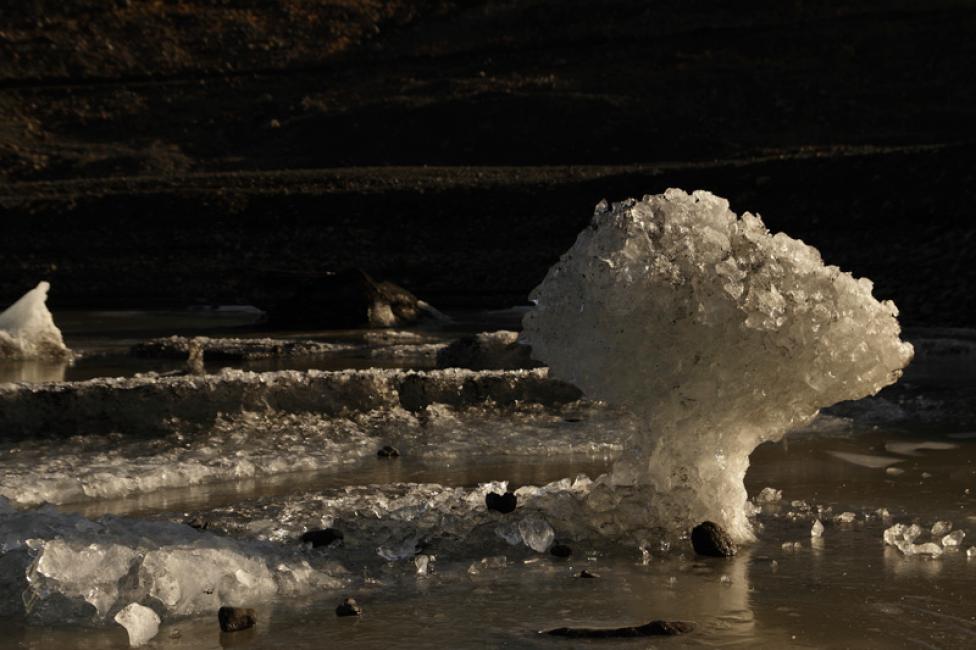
x: 163, y: 154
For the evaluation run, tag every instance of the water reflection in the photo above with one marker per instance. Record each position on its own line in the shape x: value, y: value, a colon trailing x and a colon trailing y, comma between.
x: 33, y: 371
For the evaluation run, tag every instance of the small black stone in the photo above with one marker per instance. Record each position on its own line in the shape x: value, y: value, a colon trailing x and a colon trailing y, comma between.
x: 586, y: 574
x: 197, y: 522
x: 503, y: 503
x: 654, y: 628
x: 388, y: 452
x: 233, y: 619
x: 560, y: 550
x: 708, y: 538
x: 322, y: 537
x: 349, y: 607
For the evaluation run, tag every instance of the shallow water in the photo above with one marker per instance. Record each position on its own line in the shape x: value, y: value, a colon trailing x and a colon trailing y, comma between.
x: 847, y: 590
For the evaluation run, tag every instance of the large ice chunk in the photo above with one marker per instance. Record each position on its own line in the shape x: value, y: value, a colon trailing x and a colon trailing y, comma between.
x: 27, y: 329
x: 717, y: 334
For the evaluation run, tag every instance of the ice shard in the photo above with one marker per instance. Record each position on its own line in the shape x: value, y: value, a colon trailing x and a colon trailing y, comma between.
x: 27, y: 329
x: 717, y: 334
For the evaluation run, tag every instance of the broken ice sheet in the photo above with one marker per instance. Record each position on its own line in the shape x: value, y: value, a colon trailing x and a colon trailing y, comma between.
x: 912, y: 448
x: 866, y: 460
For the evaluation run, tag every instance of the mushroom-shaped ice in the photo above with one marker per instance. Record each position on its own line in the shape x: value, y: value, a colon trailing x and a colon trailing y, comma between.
x: 27, y: 329
x: 718, y: 335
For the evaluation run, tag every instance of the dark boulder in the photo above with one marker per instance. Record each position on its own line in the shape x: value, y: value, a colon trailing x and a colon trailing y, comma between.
x: 503, y: 503
x: 708, y: 538
x: 347, y: 299
x: 587, y: 574
x: 349, y: 607
x: 654, y: 628
x: 234, y: 619
x: 322, y: 537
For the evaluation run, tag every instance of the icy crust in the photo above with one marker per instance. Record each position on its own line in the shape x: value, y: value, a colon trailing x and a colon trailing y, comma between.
x: 60, y: 568
x: 152, y: 404
x: 396, y: 521
x: 268, y: 444
x: 27, y: 329
x: 716, y: 333
x: 236, y: 349
x: 423, y: 354
x: 63, y: 568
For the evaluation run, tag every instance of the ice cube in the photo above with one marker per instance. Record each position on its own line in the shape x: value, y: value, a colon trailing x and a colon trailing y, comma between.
x: 845, y: 518
x: 140, y: 622
x: 817, y: 529
x: 894, y: 534
x: 422, y: 562
x: 769, y: 495
x: 953, y: 539
x: 940, y: 528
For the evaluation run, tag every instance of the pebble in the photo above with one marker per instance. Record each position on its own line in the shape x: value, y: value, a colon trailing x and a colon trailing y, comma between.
x: 349, y: 607
x: 708, y: 538
x: 234, y: 619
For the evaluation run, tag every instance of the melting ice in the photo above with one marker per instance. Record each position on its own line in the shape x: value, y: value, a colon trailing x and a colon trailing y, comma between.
x: 718, y: 335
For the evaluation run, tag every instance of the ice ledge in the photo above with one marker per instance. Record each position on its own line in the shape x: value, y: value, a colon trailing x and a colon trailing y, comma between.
x: 147, y: 404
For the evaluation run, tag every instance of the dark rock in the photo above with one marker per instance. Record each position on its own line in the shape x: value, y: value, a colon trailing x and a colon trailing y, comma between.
x: 587, y: 574
x: 708, y: 538
x: 388, y: 452
x: 503, y: 503
x: 560, y: 550
x: 197, y: 522
x: 487, y: 351
x: 234, y: 619
x: 654, y: 628
x: 322, y: 537
x: 349, y: 607
x: 347, y: 299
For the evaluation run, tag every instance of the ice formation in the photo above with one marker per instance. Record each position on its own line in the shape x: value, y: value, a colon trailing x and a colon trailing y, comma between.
x: 27, y: 329
x: 717, y: 334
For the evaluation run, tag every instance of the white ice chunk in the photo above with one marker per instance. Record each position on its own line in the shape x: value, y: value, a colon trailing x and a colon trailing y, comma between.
x: 536, y: 533
x: 845, y: 518
x: 717, y: 334
x: 953, y: 539
x: 27, y: 329
x: 140, y: 622
x: 971, y: 553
